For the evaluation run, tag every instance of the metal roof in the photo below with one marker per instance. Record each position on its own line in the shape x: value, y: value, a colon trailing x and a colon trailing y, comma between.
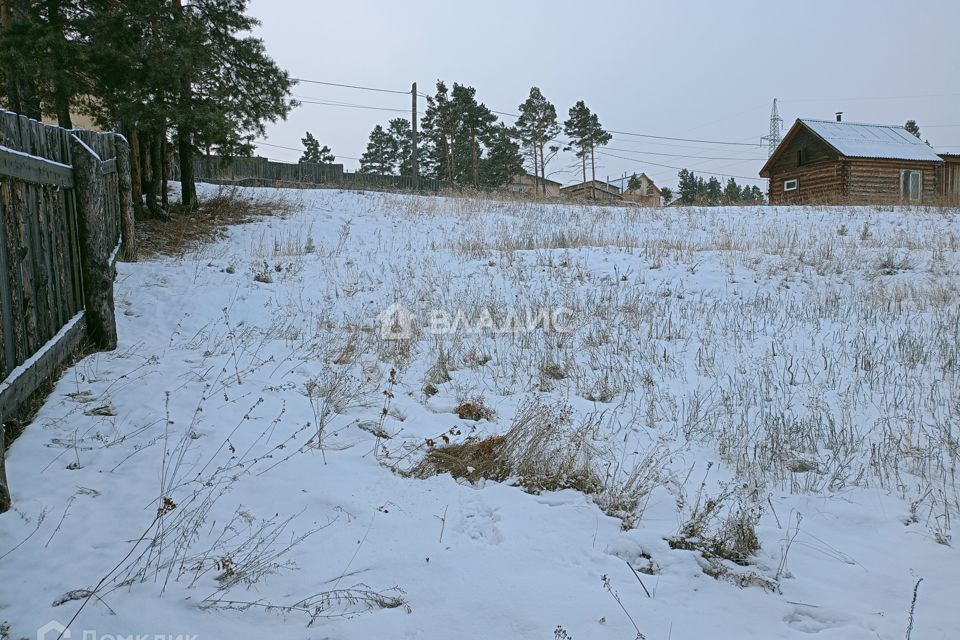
x: 856, y: 140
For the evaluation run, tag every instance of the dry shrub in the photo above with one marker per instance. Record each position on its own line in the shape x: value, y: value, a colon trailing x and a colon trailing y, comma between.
x: 475, y: 409
x: 188, y: 231
x: 543, y: 450
x: 721, y: 527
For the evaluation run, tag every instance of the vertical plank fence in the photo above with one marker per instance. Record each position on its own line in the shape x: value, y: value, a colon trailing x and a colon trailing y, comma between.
x: 260, y: 172
x: 63, y: 207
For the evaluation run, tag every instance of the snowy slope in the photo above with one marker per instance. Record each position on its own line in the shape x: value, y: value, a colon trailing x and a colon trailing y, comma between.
x: 800, y: 365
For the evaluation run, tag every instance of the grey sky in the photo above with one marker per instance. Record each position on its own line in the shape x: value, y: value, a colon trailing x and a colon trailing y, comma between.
x: 697, y: 69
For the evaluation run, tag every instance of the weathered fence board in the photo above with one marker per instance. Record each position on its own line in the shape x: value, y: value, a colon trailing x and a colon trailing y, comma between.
x: 62, y: 196
x: 257, y: 172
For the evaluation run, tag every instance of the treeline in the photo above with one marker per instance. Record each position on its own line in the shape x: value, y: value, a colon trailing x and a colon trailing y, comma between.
x: 693, y: 189
x: 173, y: 77
x: 462, y: 140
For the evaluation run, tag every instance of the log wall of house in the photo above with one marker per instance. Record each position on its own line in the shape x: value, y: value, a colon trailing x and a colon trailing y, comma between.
x: 878, y: 181
x: 819, y: 177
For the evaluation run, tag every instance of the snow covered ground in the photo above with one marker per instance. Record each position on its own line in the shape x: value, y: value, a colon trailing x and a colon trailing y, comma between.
x: 246, y: 465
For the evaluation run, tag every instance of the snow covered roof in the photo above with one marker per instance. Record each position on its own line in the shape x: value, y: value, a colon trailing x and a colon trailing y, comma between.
x: 856, y: 140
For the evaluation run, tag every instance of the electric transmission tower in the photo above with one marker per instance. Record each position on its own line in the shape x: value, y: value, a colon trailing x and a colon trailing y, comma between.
x: 776, y: 126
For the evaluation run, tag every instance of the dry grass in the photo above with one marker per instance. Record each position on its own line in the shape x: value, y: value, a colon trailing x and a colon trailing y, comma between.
x: 187, y: 232
x: 543, y: 451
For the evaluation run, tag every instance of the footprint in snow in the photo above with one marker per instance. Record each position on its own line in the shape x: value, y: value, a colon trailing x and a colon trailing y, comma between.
x: 478, y: 522
x: 810, y: 619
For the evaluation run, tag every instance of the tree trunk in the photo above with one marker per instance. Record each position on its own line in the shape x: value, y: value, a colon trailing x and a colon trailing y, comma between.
x: 593, y: 175
x: 136, y: 187
x: 536, y: 172
x: 188, y: 187
x: 150, y: 146
x: 128, y: 246
x: 62, y: 101
x: 164, y: 171
x: 156, y: 179
x: 476, y: 165
x: 543, y: 171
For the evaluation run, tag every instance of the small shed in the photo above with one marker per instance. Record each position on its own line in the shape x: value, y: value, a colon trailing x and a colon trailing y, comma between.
x: 949, y: 179
x: 592, y: 189
x: 526, y: 182
x: 826, y: 161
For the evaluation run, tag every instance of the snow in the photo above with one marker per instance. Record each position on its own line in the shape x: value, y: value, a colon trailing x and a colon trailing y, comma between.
x: 727, y: 345
x: 856, y: 140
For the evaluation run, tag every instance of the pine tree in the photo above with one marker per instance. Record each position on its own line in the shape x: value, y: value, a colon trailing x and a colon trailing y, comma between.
x: 438, y: 133
x: 912, y: 127
x: 687, y: 186
x: 714, y: 192
x: 757, y: 195
x: 667, y: 194
x: 634, y: 183
x: 474, y: 122
x: 598, y: 138
x: 732, y: 193
x: 586, y: 135
x: 313, y: 152
x: 401, y: 143
x: 227, y: 87
x: 577, y: 128
x: 381, y: 153
x: 44, y: 68
x: 504, y: 161
x: 537, y: 126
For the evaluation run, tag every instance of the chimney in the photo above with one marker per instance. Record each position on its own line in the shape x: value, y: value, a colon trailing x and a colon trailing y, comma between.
x: 839, y: 116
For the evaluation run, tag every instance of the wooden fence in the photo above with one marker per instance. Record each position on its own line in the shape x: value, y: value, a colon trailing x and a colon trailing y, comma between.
x: 260, y: 172
x: 65, y: 202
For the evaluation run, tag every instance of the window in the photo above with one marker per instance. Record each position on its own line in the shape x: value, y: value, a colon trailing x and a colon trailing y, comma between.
x: 790, y: 185
x: 911, y: 182
x: 801, y: 156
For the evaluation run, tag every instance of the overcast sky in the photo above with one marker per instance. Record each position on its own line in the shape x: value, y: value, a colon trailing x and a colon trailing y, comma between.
x: 705, y: 70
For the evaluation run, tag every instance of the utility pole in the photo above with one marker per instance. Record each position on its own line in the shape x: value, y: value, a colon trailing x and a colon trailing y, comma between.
x: 414, y: 153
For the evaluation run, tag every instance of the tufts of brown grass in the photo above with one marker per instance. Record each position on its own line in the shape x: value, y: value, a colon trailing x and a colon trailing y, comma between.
x: 476, y: 409
x: 543, y: 451
x: 189, y: 231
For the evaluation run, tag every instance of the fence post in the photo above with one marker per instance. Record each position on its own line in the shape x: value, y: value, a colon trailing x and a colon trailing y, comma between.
x: 95, y: 247
x: 128, y: 238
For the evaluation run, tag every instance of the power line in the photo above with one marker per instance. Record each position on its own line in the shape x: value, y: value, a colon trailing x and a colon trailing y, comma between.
x: 647, y: 135
x: 333, y: 103
x: 680, y: 155
x: 351, y: 86
x: 261, y: 143
x: 667, y: 166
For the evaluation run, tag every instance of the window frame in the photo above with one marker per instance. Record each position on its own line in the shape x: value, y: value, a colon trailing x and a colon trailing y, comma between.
x: 906, y: 195
x: 796, y: 184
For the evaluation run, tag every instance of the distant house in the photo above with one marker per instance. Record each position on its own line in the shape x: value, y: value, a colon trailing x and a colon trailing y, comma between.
x: 833, y: 161
x: 592, y: 189
x: 646, y: 194
x: 528, y: 183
